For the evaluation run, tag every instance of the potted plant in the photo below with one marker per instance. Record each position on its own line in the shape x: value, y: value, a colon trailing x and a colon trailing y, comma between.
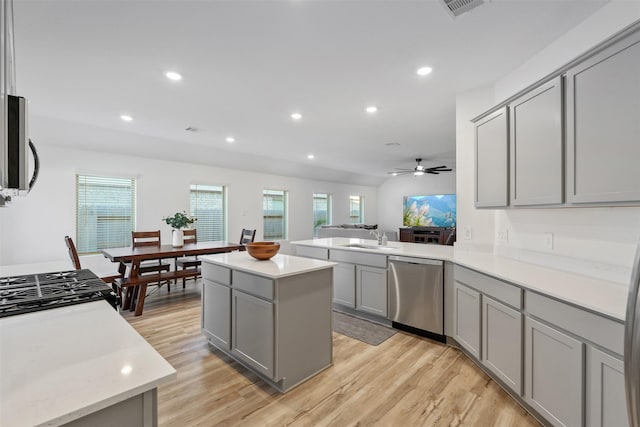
x: 178, y: 222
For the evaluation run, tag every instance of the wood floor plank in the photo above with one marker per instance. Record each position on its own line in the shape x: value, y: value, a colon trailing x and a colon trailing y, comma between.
x: 405, y: 381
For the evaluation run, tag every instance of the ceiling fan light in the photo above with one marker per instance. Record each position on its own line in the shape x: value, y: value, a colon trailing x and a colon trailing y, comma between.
x: 418, y: 173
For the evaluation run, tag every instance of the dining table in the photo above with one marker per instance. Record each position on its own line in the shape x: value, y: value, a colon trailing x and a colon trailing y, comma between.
x: 131, y: 279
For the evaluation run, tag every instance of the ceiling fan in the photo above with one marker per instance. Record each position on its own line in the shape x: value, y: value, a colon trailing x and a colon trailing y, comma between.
x: 420, y: 170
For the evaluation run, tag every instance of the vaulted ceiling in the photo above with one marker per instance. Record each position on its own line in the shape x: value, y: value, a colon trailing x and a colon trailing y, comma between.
x: 248, y: 65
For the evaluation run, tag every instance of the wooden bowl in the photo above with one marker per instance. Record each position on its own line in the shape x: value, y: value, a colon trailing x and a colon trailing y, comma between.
x: 262, y: 250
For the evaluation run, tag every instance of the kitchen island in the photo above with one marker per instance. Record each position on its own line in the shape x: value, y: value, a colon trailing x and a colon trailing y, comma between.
x: 272, y: 316
x: 81, y: 364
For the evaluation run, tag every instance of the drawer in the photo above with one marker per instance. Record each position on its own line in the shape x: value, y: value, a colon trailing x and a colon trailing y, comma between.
x: 360, y: 258
x: 310, y: 252
x: 499, y: 290
x: 590, y: 326
x: 216, y: 273
x: 255, y: 285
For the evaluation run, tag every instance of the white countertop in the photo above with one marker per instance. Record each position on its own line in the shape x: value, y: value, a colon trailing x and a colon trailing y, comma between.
x: 274, y: 268
x: 61, y: 364
x: 600, y: 296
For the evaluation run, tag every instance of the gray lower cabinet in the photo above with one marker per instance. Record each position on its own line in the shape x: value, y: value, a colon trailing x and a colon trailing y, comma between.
x: 605, y: 390
x: 252, y: 331
x: 216, y: 320
x: 371, y: 289
x: 603, y: 124
x: 502, y: 342
x: 467, y: 318
x: 344, y: 284
x: 554, y: 366
x: 491, y: 155
x: 536, y: 142
x: 136, y: 411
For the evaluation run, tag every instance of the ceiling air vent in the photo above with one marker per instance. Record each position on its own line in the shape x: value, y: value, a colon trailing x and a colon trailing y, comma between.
x: 458, y: 7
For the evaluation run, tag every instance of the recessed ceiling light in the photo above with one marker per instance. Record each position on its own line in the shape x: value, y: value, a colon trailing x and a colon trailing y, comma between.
x: 394, y: 174
x: 172, y: 75
x: 126, y: 118
x: 423, y: 71
x: 296, y: 116
x: 230, y: 139
x: 372, y: 109
x: 310, y: 156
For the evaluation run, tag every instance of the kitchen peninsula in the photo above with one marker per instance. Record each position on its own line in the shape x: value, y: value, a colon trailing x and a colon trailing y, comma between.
x: 272, y: 316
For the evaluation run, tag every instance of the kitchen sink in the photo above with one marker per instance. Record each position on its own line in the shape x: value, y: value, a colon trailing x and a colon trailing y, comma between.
x: 363, y: 246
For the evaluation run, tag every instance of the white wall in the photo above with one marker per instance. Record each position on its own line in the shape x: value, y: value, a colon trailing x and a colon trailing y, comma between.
x: 598, y: 242
x: 33, y: 227
x: 392, y: 191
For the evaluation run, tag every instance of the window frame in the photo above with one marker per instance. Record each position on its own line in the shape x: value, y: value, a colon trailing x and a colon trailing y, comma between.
x: 80, y: 238
x: 224, y: 222
x: 329, y: 198
x: 285, y: 215
x: 360, y: 219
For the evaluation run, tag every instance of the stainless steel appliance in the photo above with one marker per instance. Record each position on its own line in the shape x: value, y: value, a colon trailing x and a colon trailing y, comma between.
x: 14, y: 131
x: 416, y: 295
x: 632, y: 345
x: 34, y: 292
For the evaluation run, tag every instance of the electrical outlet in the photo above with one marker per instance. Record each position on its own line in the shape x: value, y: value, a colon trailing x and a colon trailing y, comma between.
x: 548, y: 241
x: 467, y: 233
x: 502, y: 237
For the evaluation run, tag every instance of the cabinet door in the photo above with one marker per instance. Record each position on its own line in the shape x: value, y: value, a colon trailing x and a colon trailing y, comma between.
x: 491, y: 149
x: 467, y: 318
x: 344, y: 284
x: 536, y: 145
x: 554, y: 366
x: 502, y: 342
x: 605, y: 390
x: 216, y: 313
x: 371, y: 290
x: 603, y: 124
x: 253, y: 335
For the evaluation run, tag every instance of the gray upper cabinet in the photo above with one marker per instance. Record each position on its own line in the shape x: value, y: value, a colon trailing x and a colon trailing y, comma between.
x: 603, y: 125
x: 536, y: 146
x: 491, y: 154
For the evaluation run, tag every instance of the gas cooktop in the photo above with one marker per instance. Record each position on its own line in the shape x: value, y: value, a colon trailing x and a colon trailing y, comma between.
x: 33, y: 292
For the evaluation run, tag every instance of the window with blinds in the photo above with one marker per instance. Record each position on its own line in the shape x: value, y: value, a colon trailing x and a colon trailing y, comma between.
x: 105, y: 212
x: 321, y: 211
x: 356, y: 209
x: 274, y: 212
x: 208, y: 206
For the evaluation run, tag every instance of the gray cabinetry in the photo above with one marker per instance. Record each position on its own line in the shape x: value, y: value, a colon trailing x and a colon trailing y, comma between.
x: 605, y: 390
x: 253, y: 332
x: 502, y: 342
x: 554, y: 366
x: 467, y: 318
x: 536, y: 144
x: 371, y: 289
x: 216, y: 319
x: 603, y: 124
x: 491, y: 150
x: 344, y: 284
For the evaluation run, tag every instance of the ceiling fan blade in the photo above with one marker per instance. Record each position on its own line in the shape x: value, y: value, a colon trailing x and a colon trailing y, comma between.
x: 433, y: 172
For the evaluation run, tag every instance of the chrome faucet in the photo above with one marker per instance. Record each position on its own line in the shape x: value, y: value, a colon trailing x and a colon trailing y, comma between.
x: 378, y: 234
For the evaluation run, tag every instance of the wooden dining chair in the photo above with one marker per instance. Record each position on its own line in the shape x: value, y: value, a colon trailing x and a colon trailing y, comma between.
x: 75, y: 260
x: 188, y: 262
x: 149, y: 238
x: 247, y: 236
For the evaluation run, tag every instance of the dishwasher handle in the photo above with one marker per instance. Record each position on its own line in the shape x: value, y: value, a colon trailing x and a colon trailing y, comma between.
x: 413, y: 260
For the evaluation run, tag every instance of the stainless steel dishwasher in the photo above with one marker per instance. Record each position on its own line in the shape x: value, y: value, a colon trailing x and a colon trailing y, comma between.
x: 416, y: 295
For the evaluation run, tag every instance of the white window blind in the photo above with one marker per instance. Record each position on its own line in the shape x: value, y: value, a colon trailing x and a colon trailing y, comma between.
x: 321, y: 211
x: 207, y: 205
x: 356, y: 209
x: 105, y: 212
x: 274, y: 212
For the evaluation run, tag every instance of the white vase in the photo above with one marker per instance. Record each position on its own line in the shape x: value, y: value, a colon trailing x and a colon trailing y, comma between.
x: 178, y: 238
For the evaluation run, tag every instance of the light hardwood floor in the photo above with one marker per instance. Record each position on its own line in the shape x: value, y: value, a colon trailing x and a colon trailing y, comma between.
x: 405, y: 381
